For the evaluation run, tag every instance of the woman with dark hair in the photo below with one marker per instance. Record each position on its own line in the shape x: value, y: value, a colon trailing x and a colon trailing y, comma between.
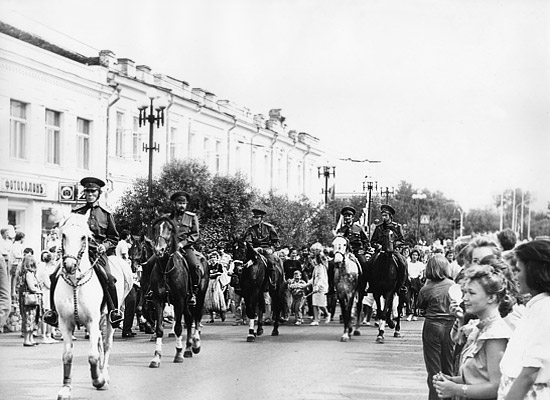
x: 485, y: 290
x: 526, y: 363
x: 435, y: 299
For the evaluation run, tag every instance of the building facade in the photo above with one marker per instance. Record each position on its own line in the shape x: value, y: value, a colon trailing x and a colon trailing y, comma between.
x: 65, y: 116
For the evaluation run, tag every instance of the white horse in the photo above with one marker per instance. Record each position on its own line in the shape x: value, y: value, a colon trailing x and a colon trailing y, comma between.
x: 346, y: 278
x: 79, y: 301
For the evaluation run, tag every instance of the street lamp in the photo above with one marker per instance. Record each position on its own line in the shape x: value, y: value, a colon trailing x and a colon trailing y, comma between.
x: 387, y: 192
x: 151, y: 118
x: 369, y: 185
x: 326, y: 172
x: 147, y: 103
x: 418, y: 196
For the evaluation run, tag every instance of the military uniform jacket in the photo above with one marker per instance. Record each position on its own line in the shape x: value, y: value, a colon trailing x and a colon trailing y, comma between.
x: 388, y: 235
x: 102, y: 225
x: 356, y: 235
x: 262, y: 235
x: 188, y: 228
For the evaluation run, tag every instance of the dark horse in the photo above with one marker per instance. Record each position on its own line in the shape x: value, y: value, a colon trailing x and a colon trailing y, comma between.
x: 141, y: 251
x: 169, y: 283
x: 383, y: 281
x: 252, y: 282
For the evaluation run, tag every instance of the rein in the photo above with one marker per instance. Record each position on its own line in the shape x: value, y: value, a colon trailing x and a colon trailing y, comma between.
x: 80, y: 281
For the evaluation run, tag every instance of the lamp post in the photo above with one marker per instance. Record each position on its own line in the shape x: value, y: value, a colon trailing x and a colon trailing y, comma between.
x: 418, y: 196
x: 387, y: 192
x: 369, y: 185
x: 326, y: 172
x: 147, y: 114
x: 151, y: 118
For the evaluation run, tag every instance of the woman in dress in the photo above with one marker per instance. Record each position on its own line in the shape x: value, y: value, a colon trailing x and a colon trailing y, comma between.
x: 30, y: 314
x: 485, y: 291
x: 319, y: 282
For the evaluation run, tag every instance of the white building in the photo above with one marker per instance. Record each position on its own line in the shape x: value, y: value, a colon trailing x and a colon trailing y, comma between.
x: 65, y: 116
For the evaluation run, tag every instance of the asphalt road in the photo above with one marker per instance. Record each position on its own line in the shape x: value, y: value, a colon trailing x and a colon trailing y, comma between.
x: 304, y: 362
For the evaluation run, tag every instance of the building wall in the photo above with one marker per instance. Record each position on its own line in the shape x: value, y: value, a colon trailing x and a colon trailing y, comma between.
x: 229, y: 138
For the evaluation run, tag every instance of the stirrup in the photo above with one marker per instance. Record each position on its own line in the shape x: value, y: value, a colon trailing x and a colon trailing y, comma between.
x: 50, y: 317
x: 115, y: 317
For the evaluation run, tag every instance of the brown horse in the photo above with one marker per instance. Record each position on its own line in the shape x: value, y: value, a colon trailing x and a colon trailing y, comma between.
x: 383, y: 281
x: 252, y: 281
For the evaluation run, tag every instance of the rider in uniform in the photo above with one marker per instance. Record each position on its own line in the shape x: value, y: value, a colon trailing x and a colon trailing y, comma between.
x: 187, y: 223
x: 356, y: 236
x: 263, y: 236
x: 102, y: 244
x: 387, y: 237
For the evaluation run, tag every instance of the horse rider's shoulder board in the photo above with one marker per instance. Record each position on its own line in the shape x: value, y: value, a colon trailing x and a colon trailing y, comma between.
x: 191, y: 214
x: 267, y: 224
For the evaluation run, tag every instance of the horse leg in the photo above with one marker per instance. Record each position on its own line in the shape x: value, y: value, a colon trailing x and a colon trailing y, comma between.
x: 276, y: 302
x: 261, y: 312
x: 251, y: 335
x: 345, y: 307
x: 96, y: 356
x: 65, y: 392
x: 188, y: 315
x: 178, y: 332
x: 380, y: 314
x: 196, y: 337
x: 359, y: 311
x: 155, y: 362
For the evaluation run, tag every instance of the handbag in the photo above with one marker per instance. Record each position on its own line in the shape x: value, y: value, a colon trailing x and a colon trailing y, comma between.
x: 30, y: 299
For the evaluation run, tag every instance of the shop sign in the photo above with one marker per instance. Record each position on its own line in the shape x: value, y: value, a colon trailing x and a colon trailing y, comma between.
x: 23, y: 186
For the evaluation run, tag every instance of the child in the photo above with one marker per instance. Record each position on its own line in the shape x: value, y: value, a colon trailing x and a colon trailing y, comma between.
x: 297, y: 286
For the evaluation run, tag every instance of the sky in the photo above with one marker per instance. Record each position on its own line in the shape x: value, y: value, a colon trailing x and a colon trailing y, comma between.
x: 450, y: 96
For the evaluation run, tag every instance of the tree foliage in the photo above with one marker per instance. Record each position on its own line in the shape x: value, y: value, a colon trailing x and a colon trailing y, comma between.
x: 223, y: 205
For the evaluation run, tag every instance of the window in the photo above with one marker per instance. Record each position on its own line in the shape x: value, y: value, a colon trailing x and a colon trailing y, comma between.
x: 205, y: 146
x: 136, y: 141
x: 83, y: 143
x: 53, y: 137
x: 119, y: 134
x: 172, y: 144
x: 218, y: 160
x: 18, y: 129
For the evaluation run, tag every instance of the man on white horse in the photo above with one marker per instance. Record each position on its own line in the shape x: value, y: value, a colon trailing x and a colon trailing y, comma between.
x: 263, y: 235
x: 387, y: 237
x: 103, y: 243
x: 356, y: 236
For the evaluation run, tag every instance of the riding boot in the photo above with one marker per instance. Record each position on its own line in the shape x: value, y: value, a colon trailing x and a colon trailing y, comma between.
x: 115, y: 315
x: 50, y: 316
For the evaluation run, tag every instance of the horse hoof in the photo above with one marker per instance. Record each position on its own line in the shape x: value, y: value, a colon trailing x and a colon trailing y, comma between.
x: 99, y: 383
x: 380, y: 339
x: 344, y: 339
x: 187, y: 354
x: 153, y: 338
x: 397, y: 334
x: 356, y: 333
x: 196, y: 350
x: 260, y: 332
x: 178, y: 358
x: 171, y: 335
x: 275, y: 333
x: 251, y: 338
x: 154, y: 364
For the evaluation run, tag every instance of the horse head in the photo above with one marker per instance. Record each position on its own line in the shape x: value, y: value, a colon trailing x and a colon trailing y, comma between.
x: 340, y: 245
x: 75, y: 234
x: 165, y: 234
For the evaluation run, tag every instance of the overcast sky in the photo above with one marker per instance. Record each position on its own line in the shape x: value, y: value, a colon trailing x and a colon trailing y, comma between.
x: 448, y: 95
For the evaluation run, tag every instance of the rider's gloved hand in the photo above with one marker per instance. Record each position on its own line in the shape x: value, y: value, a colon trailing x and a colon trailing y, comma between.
x: 101, y: 249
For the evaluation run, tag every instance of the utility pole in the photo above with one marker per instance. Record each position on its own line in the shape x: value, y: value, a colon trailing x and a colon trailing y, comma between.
x: 417, y: 196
